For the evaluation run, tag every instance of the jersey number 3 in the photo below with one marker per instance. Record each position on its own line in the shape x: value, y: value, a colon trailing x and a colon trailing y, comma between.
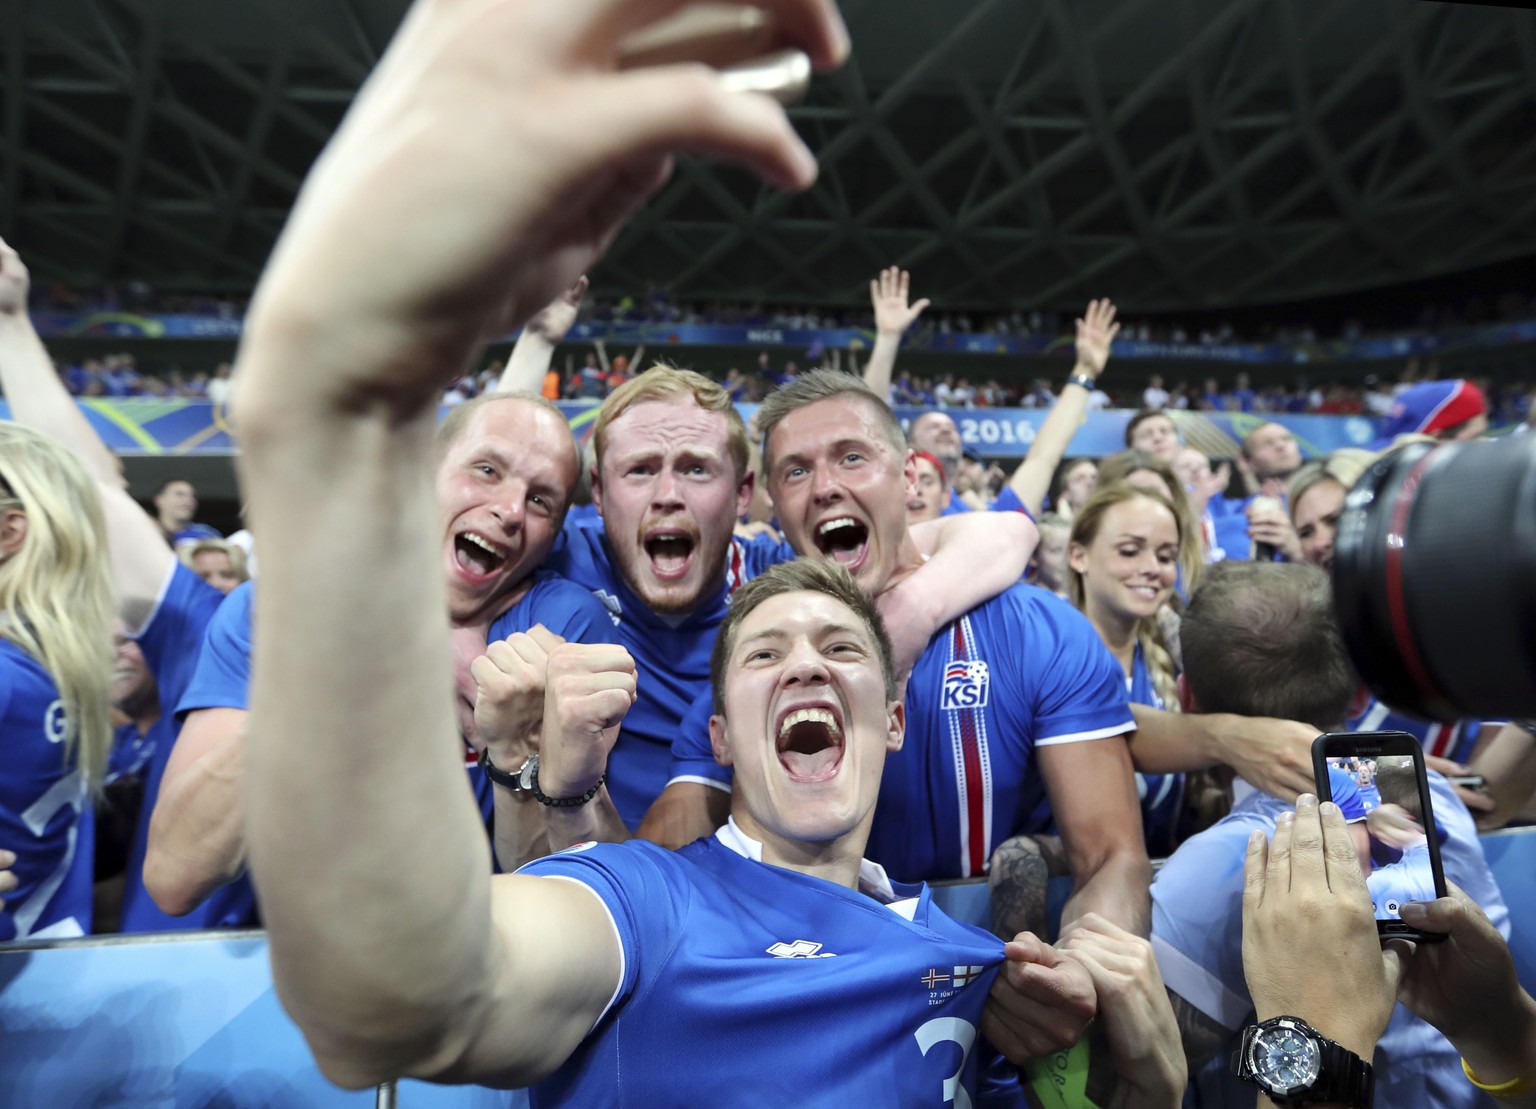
x: 950, y: 1030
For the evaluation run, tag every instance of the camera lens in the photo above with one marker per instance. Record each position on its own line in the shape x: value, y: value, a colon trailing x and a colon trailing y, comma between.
x: 1434, y: 577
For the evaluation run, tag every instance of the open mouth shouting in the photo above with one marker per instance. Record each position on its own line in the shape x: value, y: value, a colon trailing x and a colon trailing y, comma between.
x: 810, y: 743
x: 844, y: 540
x: 669, y: 551
x: 476, y: 558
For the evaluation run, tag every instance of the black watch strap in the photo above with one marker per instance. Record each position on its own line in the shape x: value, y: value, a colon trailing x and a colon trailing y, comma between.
x: 1084, y: 380
x: 526, y: 780
x: 1342, y: 1076
x: 1345, y: 1077
x: 518, y: 781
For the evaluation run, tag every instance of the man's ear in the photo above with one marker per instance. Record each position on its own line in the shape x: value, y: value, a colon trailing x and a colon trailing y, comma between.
x: 744, y: 490
x: 909, y: 470
x: 595, y: 483
x: 1359, y: 702
x: 1186, y: 695
x: 896, y: 726
x: 13, y: 531
x: 719, y: 741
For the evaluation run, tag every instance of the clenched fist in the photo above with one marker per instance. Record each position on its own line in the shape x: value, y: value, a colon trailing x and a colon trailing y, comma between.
x: 509, y: 694
x: 588, y: 689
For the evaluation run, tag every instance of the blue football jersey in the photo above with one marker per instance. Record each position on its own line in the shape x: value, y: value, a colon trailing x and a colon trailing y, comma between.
x: 1447, y: 741
x: 170, y: 641
x: 1020, y: 671
x: 566, y: 609
x: 1161, y: 794
x: 1197, y: 935
x: 45, y: 817
x: 223, y: 678
x: 672, y: 655
x: 746, y: 984
x: 131, y: 751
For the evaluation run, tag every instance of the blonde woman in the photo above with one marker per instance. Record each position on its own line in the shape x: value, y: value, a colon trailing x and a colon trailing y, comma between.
x: 218, y: 562
x: 164, y: 606
x: 56, y: 653
x: 1146, y: 471
x: 1123, y: 562
x: 1315, y: 497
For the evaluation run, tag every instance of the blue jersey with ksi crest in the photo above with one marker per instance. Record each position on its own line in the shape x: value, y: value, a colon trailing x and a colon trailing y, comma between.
x: 746, y: 984
x: 1161, y: 794
x: 1020, y: 671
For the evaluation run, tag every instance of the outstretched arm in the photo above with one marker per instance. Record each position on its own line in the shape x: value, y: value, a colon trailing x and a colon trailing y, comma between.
x: 1273, y: 755
x: 354, y: 771
x: 971, y: 558
x: 141, y: 558
x: 1093, y: 798
x: 1096, y: 332
x: 534, y: 350
x: 893, y: 315
x: 36, y: 395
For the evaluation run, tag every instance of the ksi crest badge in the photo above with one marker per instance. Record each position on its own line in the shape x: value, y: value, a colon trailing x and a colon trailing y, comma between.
x: 965, y: 685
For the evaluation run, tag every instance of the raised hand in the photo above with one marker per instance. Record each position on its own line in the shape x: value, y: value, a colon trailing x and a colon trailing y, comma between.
x: 1304, y: 894
x: 556, y: 318
x: 1465, y: 986
x: 588, y: 689
x: 14, y: 282
x: 1096, y: 331
x: 511, y: 123
x: 888, y: 296
x: 1041, y: 1000
x: 1270, y: 524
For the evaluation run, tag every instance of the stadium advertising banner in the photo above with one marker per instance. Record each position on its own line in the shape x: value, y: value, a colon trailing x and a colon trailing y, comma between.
x: 139, y: 426
x: 129, y: 325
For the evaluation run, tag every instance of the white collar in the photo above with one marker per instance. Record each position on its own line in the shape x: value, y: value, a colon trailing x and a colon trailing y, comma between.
x: 873, y: 881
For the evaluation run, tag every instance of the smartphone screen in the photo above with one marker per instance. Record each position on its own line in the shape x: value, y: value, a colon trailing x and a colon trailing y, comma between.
x: 1378, y: 780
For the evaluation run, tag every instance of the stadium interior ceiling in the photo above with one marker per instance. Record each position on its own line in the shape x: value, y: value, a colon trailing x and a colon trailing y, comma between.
x: 1183, y: 154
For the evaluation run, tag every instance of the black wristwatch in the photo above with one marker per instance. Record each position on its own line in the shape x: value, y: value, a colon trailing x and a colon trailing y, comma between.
x: 1295, y: 1064
x: 526, y: 780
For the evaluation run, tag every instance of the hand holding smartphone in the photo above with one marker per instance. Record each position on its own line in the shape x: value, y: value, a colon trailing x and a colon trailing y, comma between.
x: 1378, y: 780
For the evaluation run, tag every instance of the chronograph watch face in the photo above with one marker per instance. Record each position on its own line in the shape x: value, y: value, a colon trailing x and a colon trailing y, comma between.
x: 1294, y: 1064
x: 1283, y: 1058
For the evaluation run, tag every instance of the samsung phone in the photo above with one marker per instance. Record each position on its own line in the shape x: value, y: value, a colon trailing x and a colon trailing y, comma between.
x: 1378, y: 780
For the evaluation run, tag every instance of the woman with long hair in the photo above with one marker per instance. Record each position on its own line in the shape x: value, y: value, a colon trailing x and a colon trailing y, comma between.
x: 1123, y: 561
x: 1315, y: 498
x: 56, y: 609
x: 1146, y: 471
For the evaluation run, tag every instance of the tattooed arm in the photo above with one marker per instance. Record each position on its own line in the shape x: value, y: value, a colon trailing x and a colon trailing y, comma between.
x: 1022, y: 867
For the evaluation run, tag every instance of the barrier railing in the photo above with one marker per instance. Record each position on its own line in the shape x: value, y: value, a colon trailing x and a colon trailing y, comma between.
x: 192, y: 1019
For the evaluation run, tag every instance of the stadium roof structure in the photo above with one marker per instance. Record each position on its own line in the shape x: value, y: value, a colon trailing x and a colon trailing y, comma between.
x: 1176, y: 154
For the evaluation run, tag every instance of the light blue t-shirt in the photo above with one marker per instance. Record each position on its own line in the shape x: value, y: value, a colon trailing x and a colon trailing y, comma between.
x: 1197, y: 935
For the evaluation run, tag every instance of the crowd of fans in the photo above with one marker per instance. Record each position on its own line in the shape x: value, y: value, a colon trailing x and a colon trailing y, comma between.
x: 807, y: 663
x: 658, y: 306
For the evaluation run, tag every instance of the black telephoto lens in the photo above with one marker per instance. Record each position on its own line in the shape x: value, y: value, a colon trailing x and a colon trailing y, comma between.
x: 1434, y: 577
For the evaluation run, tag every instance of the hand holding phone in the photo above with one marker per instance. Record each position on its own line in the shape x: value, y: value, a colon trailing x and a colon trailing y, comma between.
x: 1378, y: 780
